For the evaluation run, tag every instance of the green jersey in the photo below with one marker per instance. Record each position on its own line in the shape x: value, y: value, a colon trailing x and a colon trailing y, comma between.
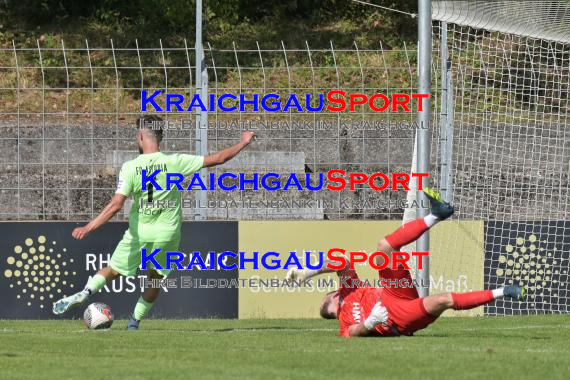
x: 160, y: 223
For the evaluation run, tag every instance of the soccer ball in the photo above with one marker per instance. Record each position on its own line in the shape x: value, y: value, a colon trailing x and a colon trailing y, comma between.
x: 98, y: 316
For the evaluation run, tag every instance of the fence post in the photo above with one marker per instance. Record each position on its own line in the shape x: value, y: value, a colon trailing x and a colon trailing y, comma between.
x: 201, y: 116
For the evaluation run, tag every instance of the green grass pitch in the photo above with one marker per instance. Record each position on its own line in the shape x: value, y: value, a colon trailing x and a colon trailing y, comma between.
x: 532, y: 347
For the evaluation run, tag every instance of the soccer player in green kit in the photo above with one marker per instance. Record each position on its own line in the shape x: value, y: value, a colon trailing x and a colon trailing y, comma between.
x: 149, y: 228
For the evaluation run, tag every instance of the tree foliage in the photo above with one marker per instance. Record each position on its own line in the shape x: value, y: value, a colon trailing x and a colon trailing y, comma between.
x: 176, y: 14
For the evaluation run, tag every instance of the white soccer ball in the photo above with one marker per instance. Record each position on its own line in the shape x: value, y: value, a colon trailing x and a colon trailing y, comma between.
x: 98, y: 316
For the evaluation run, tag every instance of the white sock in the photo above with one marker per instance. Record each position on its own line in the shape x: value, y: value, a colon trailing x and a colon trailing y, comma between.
x: 431, y: 220
x: 498, y: 293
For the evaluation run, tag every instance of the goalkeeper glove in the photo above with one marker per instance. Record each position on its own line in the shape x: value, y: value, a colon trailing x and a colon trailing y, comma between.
x: 294, y: 274
x: 378, y: 315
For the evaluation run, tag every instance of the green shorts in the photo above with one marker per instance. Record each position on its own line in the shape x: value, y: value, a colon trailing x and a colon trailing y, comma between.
x: 127, y: 257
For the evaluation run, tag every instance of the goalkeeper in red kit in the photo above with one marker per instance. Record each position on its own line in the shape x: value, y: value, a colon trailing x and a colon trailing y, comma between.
x: 396, y: 309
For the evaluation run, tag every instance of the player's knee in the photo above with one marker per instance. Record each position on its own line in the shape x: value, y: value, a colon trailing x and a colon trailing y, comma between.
x: 154, y: 274
x: 384, y: 246
x: 446, y: 300
x: 111, y: 273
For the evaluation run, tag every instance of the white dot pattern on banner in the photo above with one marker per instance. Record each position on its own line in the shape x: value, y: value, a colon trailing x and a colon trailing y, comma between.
x: 513, y: 258
x: 39, y: 285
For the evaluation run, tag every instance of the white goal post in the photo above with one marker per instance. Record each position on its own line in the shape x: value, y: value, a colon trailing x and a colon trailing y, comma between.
x: 500, y: 148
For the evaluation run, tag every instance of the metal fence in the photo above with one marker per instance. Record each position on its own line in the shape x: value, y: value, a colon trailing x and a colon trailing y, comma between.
x: 67, y: 124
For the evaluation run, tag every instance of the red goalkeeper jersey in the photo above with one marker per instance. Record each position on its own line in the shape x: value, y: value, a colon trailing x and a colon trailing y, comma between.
x: 406, y: 312
x: 356, y: 303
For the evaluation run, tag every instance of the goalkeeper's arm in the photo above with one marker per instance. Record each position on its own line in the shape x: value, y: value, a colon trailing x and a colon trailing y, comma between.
x: 305, y: 274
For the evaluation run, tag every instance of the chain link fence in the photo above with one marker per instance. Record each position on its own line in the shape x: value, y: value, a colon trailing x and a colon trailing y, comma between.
x: 67, y: 125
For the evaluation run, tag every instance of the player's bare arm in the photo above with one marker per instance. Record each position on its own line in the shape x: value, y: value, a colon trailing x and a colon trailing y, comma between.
x: 229, y: 153
x: 114, y: 206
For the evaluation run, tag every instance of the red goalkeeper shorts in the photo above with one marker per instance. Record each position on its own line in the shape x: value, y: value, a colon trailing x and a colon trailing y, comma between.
x: 406, y: 311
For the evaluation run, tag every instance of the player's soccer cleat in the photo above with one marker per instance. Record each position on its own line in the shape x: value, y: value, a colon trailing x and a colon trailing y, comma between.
x: 71, y: 302
x: 439, y: 207
x: 133, y: 324
x: 518, y: 293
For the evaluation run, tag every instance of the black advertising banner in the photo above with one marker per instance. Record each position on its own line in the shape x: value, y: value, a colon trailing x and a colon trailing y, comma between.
x: 535, y: 255
x: 40, y: 262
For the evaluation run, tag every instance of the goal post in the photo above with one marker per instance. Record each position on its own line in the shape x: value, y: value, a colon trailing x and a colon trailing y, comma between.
x: 500, y: 149
x: 422, y: 147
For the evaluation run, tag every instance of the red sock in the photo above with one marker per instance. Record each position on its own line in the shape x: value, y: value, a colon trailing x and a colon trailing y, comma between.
x: 465, y: 301
x: 407, y: 233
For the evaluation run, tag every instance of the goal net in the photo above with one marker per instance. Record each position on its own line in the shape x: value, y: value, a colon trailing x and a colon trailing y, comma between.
x: 501, y: 150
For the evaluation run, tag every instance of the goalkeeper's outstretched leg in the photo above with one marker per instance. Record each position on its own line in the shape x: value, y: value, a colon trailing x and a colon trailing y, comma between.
x: 436, y: 304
